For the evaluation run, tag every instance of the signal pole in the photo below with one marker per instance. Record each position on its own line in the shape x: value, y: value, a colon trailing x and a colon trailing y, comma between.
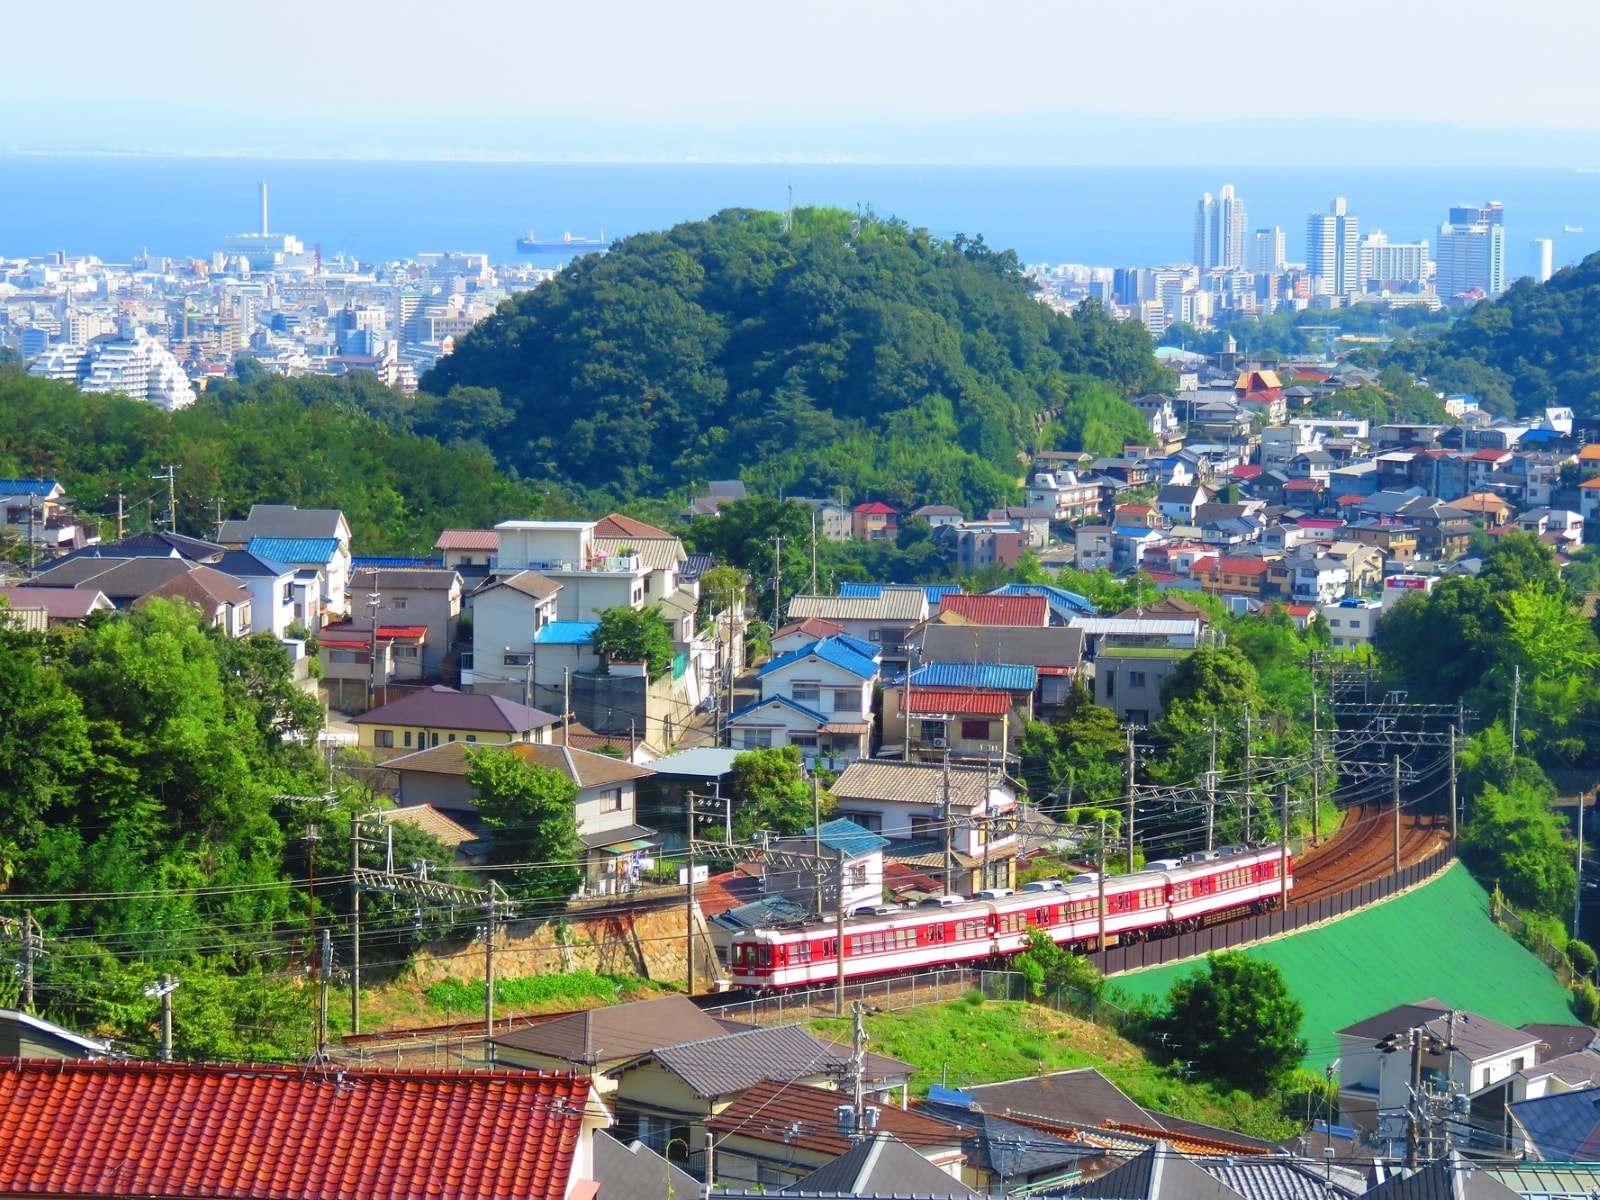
x: 1397, y: 813
x: 1130, y: 770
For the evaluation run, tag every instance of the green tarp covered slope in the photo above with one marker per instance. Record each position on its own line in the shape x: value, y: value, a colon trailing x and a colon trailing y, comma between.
x: 1435, y: 941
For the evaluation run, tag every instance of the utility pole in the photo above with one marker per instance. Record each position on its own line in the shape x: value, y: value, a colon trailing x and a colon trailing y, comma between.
x: 355, y: 924
x: 1453, y: 815
x: 325, y: 958
x: 491, y: 927
x: 1413, y: 1125
x: 858, y: 1069
x: 1577, y: 896
x: 33, y: 546
x: 313, y: 836
x: 1249, y: 773
x: 777, y: 579
x: 566, y: 708
x: 1211, y: 790
x: 813, y: 551
x: 688, y: 903
x: 947, y: 819
x: 1283, y: 850
x: 1397, y: 813
x: 374, y: 601
x: 1316, y: 758
x: 32, y: 948
x: 1130, y: 770
x: 816, y: 836
x: 169, y: 473
x: 838, y: 935
x: 163, y: 988
x: 1516, y: 700
x: 1100, y: 943
x: 120, y: 519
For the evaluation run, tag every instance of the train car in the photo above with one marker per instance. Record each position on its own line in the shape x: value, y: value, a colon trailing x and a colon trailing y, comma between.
x: 1165, y: 898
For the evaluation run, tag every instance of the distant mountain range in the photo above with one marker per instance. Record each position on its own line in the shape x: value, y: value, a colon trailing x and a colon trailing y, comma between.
x: 1065, y: 138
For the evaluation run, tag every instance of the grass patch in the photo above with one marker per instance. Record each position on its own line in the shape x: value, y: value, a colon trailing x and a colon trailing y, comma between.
x: 969, y: 1043
x: 577, y: 988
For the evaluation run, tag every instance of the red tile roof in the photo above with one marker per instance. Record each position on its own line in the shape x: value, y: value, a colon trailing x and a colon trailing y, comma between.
x: 796, y: 1114
x: 998, y: 610
x: 286, y: 1133
x: 1240, y: 566
x: 816, y: 627
x: 958, y: 700
x: 875, y: 507
x: 1302, y: 485
x: 1247, y: 471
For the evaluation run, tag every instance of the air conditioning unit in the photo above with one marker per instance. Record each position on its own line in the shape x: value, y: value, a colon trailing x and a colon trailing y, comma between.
x: 941, y: 743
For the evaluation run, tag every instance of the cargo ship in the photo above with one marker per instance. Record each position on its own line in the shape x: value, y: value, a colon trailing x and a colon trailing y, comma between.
x: 529, y: 244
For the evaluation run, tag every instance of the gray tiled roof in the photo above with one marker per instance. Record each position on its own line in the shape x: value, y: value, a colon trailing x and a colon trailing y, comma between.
x: 1284, y: 1179
x: 880, y: 1165
x: 614, y: 1033
x: 893, y: 604
x: 1078, y: 1097
x: 913, y: 783
x: 720, y: 1066
x: 1564, y: 1127
x: 1453, y: 1178
x: 1007, y: 1148
x: 283, y: 521
x: 1160, y: 1173
x: 636, y: 1172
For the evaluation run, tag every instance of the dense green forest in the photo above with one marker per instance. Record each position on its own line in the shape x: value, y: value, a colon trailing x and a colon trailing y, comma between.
x: 824, y: 353
x: 1533, y: 347
x: 157, y: 783
x: 312, y: 441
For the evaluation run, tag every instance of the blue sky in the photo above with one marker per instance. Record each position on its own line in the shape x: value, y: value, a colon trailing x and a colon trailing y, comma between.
x: 184, y: 75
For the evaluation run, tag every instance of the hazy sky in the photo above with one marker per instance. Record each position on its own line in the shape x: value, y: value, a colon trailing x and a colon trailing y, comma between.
x: 1471, y: 62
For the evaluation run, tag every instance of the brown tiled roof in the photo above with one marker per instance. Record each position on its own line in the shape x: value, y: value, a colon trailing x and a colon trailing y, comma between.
x: 583, y: 768
x: 203, y: 586
x: 812, y: 627
x: 432, y: 822
x: 440, y: 707
x: 529, y: 583
x: 469, y: 539
x: 59, y: 604
x: 615, y: 525
x: 770, y: 1110
x: 656, y: 554
x: 231, y: 1132
x: 615, y: 1032
x: 732, y: 1062
x: 380, y: 579
x: 998, y: 610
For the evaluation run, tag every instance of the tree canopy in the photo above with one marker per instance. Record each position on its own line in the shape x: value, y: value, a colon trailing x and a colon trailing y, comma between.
x: 530, y: 809
x: 635, y: 635
x: 1235, y: 1021
x: 823, y: 352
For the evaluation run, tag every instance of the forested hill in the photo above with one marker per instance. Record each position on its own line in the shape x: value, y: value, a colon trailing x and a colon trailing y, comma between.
x: 317, y: 442
x: 843, y: 352
x: 1536, y: 346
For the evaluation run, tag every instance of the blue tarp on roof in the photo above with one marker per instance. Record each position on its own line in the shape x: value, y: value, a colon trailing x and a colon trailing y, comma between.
x: 1009, y: 677
x: 844, y: 834
x: 566, y: 633
x: 829, y: 650
x: 294, y: 551
x: 1060, y: 599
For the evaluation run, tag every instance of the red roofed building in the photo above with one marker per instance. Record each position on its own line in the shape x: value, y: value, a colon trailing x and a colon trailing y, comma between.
x: 997, y: 610
x: 972, y: 722
x: 231, y: 1132
x: 1231, y: 576
x: 874, y: 521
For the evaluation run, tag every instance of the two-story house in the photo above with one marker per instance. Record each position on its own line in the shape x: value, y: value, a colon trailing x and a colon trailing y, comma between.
x: 439, y: 715
x: 605, y: 803
x: 1229, y: 576
x: 271, y: 586
x: 1177, y: 503
x: 956, y: 823
x: 874, y: 521
x: 883, y: 619
x: 429, y: 597
x: 1477, y: 1057
x: 817, y: 698
x: 508, y: 614
x: 1067, y: 498
x: 564, y: 552
x: 309, y: 539
x: 1096, y: 546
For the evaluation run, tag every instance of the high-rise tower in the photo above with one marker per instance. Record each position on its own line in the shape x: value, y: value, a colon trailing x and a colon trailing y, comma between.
x: 1333, y: 250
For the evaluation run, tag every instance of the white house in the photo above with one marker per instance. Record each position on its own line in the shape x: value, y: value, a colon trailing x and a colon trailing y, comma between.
x: 863, y: 865
x: 1095, y: 547
x: 817, y: 698
x: 271, y: 586
x: 306, y: 538
x: 1352, y: 622
x: 507, y: 615
x: 1176, y: 502
x: 565, y: 553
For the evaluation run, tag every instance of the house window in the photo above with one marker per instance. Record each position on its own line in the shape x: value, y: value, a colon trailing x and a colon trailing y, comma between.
x: 383, y: 738
x: 452, y: 737
x: 288, y: 593
x: 408, y: 738
x: 846, y: 700
x: 1136, y: 679
x: 758, y: 739
x: 611, y: 800
x: 923, y: 827
x: 408, y: 651
x: 975, y: 731
x: 344, y: 656
x: 435, y: 740
x: 806, y: 741
x: 472, y: 737
x: 806, y: 691
x: 933, y: 731
x: 870, y: 821
x: 516, y: 660
x: 398, y: 604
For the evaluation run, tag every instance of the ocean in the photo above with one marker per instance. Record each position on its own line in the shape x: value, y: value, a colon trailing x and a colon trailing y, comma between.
x: 118, y: 207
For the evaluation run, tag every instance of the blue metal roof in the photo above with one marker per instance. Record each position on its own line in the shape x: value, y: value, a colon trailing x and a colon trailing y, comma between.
x: 27, y: 487
x: 785, y: 702
x: 829, y: 650
x: 871, y: 591
x: 566, y: 633
x: 865, y: 649
x: 294, y: 550
x: 1010, y: 677
x: 1060, y: 599
x: 842, y: 833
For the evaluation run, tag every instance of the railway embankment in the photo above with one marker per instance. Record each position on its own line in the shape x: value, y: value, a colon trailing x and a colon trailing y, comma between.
x: 1434, y: 941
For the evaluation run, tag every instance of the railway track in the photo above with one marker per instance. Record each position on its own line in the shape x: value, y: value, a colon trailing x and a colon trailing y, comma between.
x: 1363, y: 850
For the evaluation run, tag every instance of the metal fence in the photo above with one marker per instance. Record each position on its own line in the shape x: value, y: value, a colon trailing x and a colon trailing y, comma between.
x: 1117, y: 959
x: 902, y: 991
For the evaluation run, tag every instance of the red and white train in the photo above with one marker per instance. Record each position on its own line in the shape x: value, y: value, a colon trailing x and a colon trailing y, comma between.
x: 1169, y: 896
